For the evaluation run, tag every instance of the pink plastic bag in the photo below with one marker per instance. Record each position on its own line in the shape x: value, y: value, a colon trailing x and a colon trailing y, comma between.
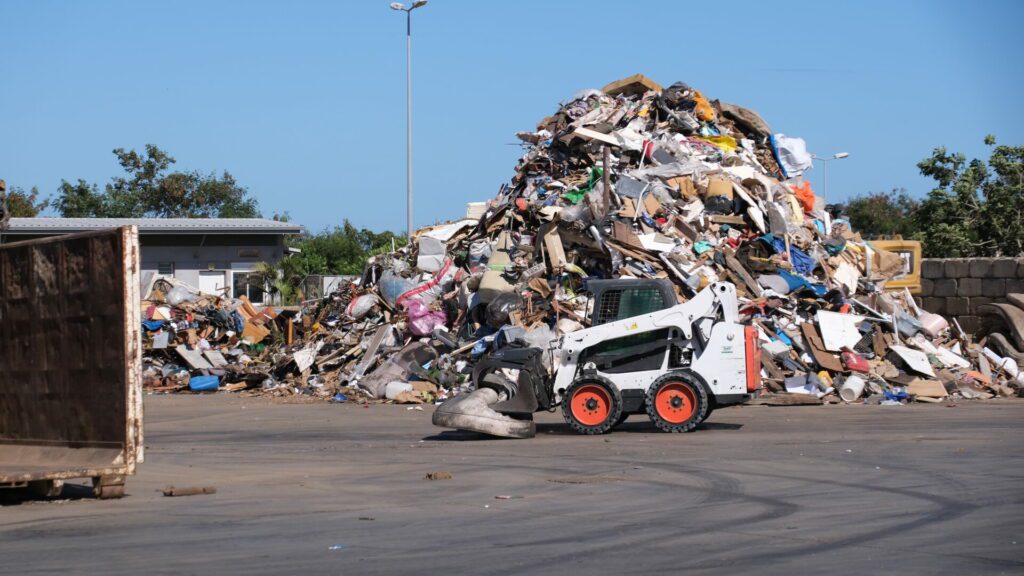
x: 423, y: 320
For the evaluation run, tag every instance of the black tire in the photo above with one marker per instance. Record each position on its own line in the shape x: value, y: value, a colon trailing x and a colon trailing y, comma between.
x: 603, y: 408
x: 677, y: 402
x: 622, y: 418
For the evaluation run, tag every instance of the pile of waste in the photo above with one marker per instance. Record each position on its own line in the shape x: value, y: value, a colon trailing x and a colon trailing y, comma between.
x: 632, y: 181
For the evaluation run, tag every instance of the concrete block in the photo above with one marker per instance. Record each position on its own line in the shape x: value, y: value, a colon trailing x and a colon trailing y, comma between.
x: 1015, y: 286
x: 977, y: 301
x: 957, y: 306
x: 970, y: 324
x: 927, y: 287
x: 957, y: 268
x: 1004, y: 268
x: 932, y: 268
x: 944, y: 287
x: 993, y: 287
x: 981, y: 267
x: 1020, y: 268
x: 935, y: 305
x: 969, y: 287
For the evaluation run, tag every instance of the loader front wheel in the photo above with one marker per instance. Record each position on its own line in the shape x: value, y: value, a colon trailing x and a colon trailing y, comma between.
x: 591, y: 406
x: 677, y: 402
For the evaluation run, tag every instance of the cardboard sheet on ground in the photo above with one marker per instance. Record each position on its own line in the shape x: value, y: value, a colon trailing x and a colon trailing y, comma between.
x: 839, y: 331
x: 826, y: 360
x: 947, y: 357
x: 193, y: 358
x: 216, y: 358
x: 928, y: 388
x: 304, y: 358
x: 915, y: 359
x: 656, y: 242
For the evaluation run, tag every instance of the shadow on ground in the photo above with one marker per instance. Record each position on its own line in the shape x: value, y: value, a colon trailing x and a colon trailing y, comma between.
x: 19, y: 496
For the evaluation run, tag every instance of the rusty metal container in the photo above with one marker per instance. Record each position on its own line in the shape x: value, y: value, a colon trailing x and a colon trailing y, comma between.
x: 71, y: 361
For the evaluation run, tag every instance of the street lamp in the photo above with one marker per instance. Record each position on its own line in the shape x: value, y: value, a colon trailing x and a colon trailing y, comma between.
x: 836, y: 156
x: 408, y: 105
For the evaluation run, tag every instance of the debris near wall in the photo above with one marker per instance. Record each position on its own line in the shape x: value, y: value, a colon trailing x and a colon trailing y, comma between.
x: 634, y: 181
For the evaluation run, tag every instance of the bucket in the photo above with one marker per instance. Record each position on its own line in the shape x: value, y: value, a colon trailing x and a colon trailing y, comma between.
x: 852, y: 388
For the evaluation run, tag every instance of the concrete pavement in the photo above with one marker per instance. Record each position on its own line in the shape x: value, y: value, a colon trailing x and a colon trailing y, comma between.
x: 340, y: 489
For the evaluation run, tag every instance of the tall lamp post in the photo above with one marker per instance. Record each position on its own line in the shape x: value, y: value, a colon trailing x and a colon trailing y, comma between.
x: 836, y: 156
x: 408, y: 105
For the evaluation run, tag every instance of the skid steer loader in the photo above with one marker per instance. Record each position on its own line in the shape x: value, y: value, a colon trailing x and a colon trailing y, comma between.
x: 642, y: 354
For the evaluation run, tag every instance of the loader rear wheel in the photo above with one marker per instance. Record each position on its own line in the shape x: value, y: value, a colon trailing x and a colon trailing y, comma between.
x: 677, y: 402
x: 591, y: 406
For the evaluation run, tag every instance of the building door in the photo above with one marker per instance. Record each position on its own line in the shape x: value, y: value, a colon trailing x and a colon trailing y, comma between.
x: 211, y: 282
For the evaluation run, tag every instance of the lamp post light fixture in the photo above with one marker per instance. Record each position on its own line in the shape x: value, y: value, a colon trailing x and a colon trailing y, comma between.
x: 825, y: 161
x: 408, y: 105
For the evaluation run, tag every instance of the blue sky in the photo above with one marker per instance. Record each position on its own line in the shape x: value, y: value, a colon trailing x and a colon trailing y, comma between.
x: 304, y: 102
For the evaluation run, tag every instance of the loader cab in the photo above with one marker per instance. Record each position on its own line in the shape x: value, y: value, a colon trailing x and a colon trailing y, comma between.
x: 613, y: 300
x: 617, y: 299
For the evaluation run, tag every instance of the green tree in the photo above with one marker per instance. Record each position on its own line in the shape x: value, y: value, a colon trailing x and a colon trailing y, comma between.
x: 342, y: 250
x: 975, y: 208
x: 148, y: 190
x: 80, y: 200
x: 882, y: 214
x: 23, y: 204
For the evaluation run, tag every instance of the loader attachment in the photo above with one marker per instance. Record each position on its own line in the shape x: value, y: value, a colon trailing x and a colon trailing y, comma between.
x: 473, y: 412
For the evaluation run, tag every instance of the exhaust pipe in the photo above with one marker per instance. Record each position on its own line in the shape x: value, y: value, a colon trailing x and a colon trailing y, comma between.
x: 473, y: 412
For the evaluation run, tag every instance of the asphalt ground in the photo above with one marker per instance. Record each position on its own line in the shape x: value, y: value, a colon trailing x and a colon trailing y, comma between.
x: 341, y: 489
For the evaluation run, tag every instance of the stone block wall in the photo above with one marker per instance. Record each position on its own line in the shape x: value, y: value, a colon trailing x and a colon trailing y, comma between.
x: 955, y: 287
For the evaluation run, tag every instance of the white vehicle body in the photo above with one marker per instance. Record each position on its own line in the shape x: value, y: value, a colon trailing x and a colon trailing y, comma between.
x: 722, y: 362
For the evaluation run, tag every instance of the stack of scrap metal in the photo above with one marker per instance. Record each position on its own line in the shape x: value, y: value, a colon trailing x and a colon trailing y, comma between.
x: 632, y: 181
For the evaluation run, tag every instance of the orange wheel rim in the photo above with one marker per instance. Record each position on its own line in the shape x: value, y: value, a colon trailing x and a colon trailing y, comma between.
x: 675, y: 402
x: 591, y: 405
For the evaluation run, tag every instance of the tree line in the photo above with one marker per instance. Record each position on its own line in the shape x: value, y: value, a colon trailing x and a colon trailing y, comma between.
x: 149, y: 188
x: 976, y: 208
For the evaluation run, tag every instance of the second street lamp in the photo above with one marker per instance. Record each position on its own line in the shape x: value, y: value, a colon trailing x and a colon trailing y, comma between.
x: 408, y: 106
x: 825, y: 162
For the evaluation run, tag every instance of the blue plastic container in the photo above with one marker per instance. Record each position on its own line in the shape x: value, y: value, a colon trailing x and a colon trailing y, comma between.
x: 204, y: 383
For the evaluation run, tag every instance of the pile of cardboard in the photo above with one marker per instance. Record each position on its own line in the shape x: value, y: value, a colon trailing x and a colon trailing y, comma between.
x: 632, y: 181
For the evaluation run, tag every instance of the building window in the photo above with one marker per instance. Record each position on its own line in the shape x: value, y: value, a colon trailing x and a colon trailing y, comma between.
x: 249, y: 285
x: 165, y: 268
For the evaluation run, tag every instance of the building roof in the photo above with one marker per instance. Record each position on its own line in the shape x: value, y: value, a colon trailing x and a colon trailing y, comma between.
x: 20, y: 226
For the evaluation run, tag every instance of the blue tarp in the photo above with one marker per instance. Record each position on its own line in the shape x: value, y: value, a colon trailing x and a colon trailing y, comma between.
x: 802, y: 263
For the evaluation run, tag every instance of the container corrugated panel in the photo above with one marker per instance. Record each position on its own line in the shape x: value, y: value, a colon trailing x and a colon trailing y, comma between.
x: 70, y: 357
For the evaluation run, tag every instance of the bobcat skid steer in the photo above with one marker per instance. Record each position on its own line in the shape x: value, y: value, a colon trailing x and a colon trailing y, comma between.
x: 676, y: 363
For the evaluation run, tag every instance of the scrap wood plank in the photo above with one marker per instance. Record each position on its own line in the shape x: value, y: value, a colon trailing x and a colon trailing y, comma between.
x: 824, y: 358
x: 768, y: 363
x: 553, y: 247
x: 728, y: 219
x: 740, y: 271
x: 784, y: 399
x: 684, y: 228
x: 193, y: 358
x: 567, y: 312
x: 589, y: 134
x: 216, y: 358
x: 623, y: 233
x: 642, y: 255
x: 372, y: 349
